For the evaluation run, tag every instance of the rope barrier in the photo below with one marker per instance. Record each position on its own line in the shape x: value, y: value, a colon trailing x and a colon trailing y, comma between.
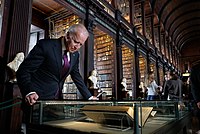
x: 12, y: 105
x: 17, y: 103
x: 10, y: 100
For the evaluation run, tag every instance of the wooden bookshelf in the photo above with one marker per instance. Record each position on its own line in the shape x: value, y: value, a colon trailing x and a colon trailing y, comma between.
x: 138, y: 17
x: 124, y: 7
x: 143, y: 68
x: 162, y: 37
x: 58, y: 25
x: 161, y: 75
x: 104, y: 61
x: 128, y: 66
x: 156, y: 38
x: 148, y: 24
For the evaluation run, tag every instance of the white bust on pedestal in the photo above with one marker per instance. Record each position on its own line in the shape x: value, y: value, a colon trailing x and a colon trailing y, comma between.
x: 93, y: 78
x: 14, y: 65
x: 124, y: 85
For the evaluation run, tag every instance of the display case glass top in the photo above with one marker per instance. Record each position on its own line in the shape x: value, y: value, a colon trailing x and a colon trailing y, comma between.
x: 107, y: 116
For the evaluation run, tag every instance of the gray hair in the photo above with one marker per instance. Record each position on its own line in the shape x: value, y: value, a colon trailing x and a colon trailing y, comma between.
x: 72, y: 30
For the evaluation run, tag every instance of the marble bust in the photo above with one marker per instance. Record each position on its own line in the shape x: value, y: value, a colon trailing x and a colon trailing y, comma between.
x: 14, y: 65
x: 124, y: 85
x: 93, y: 78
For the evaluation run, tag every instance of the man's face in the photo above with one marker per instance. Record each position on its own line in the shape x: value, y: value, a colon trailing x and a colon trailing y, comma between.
x: 74, y: 42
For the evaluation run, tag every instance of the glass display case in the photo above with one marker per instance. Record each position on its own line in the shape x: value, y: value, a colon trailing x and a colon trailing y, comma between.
x: 106, y: 117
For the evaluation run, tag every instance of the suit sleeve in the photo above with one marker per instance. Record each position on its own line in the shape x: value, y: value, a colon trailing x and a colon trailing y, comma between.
x: 195, y: 87
x: 27, y: 67
x: 165, y: 90
x: 78, y: 80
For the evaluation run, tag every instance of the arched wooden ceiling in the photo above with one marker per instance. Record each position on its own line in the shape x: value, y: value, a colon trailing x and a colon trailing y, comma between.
x: 180, y: 19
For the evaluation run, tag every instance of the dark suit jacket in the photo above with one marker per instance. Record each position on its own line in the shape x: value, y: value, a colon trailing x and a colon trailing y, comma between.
x: 40, y: 71
x: 173, y: 89
x: 195, y: 82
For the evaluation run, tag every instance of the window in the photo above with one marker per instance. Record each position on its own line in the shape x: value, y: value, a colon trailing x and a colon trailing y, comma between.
x: 35, y: 35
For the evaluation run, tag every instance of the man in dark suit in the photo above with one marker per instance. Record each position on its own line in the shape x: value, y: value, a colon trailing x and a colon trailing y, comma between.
x: 40, y: 75
x: 195, y: 89
x: 173, y: 87
x: 195, y: 83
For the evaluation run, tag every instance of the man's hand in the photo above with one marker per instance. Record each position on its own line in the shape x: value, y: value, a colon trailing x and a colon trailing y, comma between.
x: 31, y: 98
x: 93, y: 98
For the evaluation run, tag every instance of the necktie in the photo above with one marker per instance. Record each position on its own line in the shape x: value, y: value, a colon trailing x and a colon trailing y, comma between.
x: 64, y: 70
x: 66, y: 64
